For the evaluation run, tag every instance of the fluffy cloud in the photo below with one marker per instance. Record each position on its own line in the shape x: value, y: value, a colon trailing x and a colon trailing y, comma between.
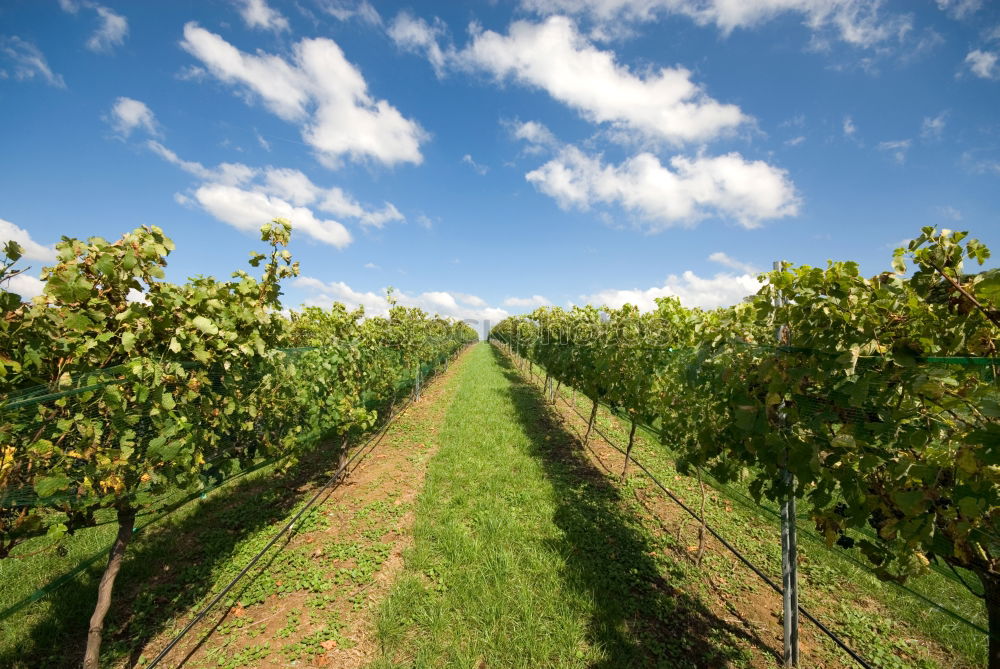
x: 257, y: 14
x: 849, y: 128
x: 694, y: 291
x: 32, y: 249
x: 25, y: 285
x: 450, y: 304
x: 319, y: 90
x: 682, y: 192
x: 983, y: 64
x: 534, y: 133
x: 532, y: 302
x: 858, y: 22
x: 296, y: 187
x: 246, y: 197
x: 27, y: 62
x: 128, y: 114
x: 416, y: 35
x: 555, y: 57
x: 471, y: 300
x: 247, y: 210
x: 112, y: 27
x: 111, y: 31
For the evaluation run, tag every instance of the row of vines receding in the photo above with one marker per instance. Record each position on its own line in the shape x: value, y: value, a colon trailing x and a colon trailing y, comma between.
x: 118, y: 387
x: 880, y: 395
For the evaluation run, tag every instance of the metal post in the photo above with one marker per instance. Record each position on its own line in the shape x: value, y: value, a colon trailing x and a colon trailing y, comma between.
x: 789, y: 542
x: 790, y: 575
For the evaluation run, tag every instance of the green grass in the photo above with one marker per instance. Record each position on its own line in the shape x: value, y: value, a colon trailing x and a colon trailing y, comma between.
x: 525, y: 556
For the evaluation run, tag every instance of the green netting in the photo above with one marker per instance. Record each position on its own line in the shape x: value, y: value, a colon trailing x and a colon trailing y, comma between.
x: 79, y: 400
x: 177, y: 499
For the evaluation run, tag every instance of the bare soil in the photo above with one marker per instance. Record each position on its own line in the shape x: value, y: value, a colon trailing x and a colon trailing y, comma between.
x: 320, y: 587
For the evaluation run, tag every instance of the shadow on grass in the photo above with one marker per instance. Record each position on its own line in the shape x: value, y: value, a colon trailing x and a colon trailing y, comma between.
x: 168, y: 569
x: 644, y: 615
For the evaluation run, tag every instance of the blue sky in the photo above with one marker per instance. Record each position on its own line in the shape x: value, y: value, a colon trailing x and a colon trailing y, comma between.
x: 487, y: 157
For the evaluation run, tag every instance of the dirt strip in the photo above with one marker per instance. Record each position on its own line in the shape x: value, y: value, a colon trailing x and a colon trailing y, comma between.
x: 310, y: 604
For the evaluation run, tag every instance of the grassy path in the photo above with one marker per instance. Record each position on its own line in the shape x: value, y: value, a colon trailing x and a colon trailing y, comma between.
x: 526, y: 555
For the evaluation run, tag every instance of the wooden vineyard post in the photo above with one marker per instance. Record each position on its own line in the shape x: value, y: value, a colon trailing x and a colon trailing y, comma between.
x: 789, y: 542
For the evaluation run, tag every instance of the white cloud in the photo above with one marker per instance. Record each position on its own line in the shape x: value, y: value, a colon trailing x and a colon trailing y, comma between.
x: 858, y: 22
x: 248, y: 210
x: 247, y: 197
x: 681, y: 192
x: 297, y: 188
x: 959, y: 9
x: 112, y: 28
x: 553, y: 56
x: 694, y: 291
x: 534, y: 133
x: 983, y: 64
x: 471, y: 300
x: 111, y: 31
x: 932, y: 127
x: 25, y: 285
x: 897, y: 149
x: 730, y: 262
x: 32, y: 249
x: 532, y: 302
x: 416, y: 35
x: 345, y: 10
x: 449, y: 304
x: 257, y: 14
x: 28, y: 61
x: 292, y: 185
x: 231, y: 174
x: 128, y: 114
x: 319, y: 90
x: 481, y: 170
x: 371, y: 265
x: 849, y: 128
x: 795, y: 141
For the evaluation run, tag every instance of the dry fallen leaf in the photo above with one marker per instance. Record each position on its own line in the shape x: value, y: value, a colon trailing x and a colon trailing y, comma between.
x: 329, y: 644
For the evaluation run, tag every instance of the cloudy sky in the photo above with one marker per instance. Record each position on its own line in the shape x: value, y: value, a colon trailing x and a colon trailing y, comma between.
x: 487, y: 157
